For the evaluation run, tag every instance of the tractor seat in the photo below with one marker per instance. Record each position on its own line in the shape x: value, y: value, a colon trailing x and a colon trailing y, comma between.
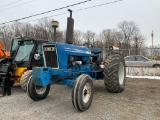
x: 96, y: 51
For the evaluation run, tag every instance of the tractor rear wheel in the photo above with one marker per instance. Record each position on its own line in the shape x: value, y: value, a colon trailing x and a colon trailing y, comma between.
x: 36, y: 92
x: 24, y: 79
x: 82, y: 92
x: 115, y: 73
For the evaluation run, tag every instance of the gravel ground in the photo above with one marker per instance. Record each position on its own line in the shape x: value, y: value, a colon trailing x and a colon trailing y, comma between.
x: 139, y: 101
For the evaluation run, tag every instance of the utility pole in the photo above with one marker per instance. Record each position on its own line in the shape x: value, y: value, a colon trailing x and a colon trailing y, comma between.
x: 152, y: 41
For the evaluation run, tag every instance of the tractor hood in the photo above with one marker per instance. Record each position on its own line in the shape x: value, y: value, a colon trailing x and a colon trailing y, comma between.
x: 56, y: 54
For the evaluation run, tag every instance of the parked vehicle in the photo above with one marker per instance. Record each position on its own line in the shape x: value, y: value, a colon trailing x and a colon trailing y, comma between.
x: 26, y: 53
x: 140, y: 61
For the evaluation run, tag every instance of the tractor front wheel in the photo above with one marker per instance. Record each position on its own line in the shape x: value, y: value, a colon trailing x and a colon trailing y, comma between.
x: 36, y: 92
x: 82, y: 92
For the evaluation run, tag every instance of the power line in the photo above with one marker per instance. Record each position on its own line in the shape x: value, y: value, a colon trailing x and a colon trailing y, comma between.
x: 46, y: 12
x: 78, y: 10
x: 98, y: 5
x: 75, y: 10
x: 9, y: 4
x: 17, y: 5
x: 47, y: 17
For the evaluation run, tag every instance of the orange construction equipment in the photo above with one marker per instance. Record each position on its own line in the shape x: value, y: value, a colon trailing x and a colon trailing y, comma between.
x: 2, y: 53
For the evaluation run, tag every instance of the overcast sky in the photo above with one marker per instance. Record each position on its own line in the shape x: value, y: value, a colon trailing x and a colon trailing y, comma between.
x: 145, y: 13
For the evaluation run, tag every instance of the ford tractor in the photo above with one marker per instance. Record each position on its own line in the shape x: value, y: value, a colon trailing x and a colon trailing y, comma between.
x: 77, y: 66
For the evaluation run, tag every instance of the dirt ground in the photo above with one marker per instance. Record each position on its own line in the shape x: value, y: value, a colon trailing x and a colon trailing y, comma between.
x: 139, y: 101
x: 142, y: 97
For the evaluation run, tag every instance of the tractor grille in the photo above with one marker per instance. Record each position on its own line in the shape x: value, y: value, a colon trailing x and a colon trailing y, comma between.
x: 50, y: 54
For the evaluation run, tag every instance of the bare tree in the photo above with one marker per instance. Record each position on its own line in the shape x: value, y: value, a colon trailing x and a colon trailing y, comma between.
x: 138, y: 42
x: 126, y: 37
x: 127, y: 29
x: 6, y: 34
x: 108, y: 37
x: 89, y: 37
x: 78, y: 37
x: 16, y: 29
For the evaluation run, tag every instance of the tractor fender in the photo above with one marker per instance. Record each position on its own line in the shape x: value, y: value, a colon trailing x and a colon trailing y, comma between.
x: 41, y: 76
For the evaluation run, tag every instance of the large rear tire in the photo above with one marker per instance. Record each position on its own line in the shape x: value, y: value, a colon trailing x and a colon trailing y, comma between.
x: 82, y: 93
x: 115, y: 73
x: 36, y: 92
x: 24, y: 79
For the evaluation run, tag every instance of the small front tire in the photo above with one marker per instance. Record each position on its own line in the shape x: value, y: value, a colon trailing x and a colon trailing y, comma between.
x: 36, y: 92
x: 82, y: 93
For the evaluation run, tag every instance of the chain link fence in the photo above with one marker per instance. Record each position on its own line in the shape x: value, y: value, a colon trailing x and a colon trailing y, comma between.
x: 152, y: 53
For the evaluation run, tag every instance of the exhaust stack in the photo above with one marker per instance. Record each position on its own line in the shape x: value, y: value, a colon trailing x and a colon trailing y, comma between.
x: 70, y: 26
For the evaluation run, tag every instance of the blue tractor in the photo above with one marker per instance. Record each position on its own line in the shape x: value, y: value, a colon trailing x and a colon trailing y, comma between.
x: 77, y: 66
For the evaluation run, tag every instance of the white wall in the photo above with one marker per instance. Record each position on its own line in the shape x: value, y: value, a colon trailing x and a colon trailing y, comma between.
x: 134, y: 71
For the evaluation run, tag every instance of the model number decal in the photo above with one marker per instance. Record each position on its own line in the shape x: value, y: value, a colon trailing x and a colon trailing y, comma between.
x: 49, y: 48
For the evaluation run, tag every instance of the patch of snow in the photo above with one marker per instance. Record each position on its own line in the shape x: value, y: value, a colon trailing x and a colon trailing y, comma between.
x: 147, y: 77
